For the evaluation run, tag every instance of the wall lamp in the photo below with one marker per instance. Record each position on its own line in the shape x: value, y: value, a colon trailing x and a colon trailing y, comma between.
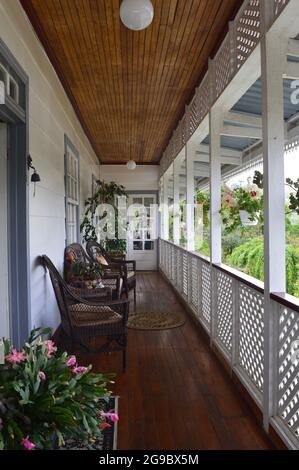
x: 35, y: 178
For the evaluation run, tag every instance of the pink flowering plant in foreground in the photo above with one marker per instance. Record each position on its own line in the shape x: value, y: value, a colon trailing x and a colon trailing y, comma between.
x: 46, y: 397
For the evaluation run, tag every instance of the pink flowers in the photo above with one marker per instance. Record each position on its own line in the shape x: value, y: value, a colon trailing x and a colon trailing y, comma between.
x: 72, y: 361
x: 15, y: 357
x: 41, y: 376
x: 229, y: 200
x: 79, y: 370
x: 27, y: 444
x: 111, y: 416
x: 50, y: 347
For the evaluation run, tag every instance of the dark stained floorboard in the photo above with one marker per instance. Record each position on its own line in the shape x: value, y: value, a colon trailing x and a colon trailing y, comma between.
x: 175, y: 393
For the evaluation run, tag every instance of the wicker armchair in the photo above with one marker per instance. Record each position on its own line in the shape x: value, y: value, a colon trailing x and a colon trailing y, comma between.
x: 128, y: 267
x: 83, y: 320
x: 113, y: 280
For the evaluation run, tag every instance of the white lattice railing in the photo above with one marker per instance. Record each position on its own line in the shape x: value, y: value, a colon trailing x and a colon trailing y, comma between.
x: 230, y: 306
x: 242, y: 39
x: 286, y: 413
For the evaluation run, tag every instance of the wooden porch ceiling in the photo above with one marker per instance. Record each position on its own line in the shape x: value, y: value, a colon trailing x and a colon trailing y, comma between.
x: 129, y: 89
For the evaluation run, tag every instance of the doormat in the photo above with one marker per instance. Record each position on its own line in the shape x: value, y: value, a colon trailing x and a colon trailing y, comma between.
x: 155, y: 321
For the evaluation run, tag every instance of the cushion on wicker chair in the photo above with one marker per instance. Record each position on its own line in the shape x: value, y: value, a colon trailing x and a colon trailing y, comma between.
x: 101, y: 260
x: 87, y: 315
x: 131, y: 274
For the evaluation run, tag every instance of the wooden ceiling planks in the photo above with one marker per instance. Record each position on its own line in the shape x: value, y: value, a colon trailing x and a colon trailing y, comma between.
x: 129, y: 88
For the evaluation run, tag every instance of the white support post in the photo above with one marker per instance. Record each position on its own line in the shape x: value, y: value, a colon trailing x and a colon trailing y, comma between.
x: 165, y: 208
x: 216, y: 121
x: 273, y: 60
x: 176, y: 200
x: 190, y: 199
x: 215, y: 183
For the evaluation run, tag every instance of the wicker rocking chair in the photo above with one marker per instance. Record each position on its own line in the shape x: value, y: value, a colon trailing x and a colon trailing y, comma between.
x: 96, y: 252
x: 110, y: 279
x: 83, y: 321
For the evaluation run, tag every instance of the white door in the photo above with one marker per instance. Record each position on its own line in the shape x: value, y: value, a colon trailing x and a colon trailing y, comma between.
x: 4, y: 299
x: 142, y: 231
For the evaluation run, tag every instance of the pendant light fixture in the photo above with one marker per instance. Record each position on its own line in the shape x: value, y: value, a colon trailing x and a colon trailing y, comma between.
x: 136, y: 14
x: 131, y: 165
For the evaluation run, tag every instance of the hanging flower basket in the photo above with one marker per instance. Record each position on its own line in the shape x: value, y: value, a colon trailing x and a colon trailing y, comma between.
x: 247, y: 219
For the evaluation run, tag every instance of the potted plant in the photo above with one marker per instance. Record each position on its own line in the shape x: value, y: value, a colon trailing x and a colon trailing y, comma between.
x: 107, y: 193
x: 86, y: 275
x: 241, y: 207
x: 46, y: 398
x: 203, y: 199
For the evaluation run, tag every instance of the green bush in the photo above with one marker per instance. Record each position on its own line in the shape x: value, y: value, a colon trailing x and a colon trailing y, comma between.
x: 249, y: 258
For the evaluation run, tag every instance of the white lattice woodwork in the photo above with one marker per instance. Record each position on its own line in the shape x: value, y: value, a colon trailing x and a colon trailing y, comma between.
x: 223, y: 70
x: 288, y: 371
x: 243, y: 37
x: 251, y: 334
x: 279, y: 6
x: 206, y: 293
x: 194, y: 283
x: 248, y: 31
x: 185, y: 274
x: 224, y: 313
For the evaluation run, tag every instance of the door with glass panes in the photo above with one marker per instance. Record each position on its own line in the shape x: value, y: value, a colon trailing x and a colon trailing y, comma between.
x: 142, y: 231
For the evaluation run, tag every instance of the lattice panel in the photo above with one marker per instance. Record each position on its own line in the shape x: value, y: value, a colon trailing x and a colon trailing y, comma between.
x: 168, y: 260
x: 251, y: 334
x: 193, y: 116
x: 185, y: 274
x: 194, y: 267
x: 248, y: 30
x: 162, y: 251
x: 279, y: 6
x: 223, y: 64
x: 179, y: 269
x: 224, y: 327
x: 288, y: 371
x: 203, y: 97
x: 173, y: 263
x: 206, y: 292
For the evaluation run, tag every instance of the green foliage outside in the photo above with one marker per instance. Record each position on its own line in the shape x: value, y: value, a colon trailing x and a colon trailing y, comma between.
x: 249, y: 258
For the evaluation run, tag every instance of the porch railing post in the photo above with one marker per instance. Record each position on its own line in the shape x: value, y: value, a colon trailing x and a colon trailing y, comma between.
x: 165, y: 208
x: 273, y: 59
x: 215, y: 205
x: 176, y: 201
x: 190, y: 198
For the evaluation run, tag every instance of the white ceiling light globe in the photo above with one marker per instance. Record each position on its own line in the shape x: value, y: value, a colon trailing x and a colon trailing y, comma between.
x: 136, y: 14
x: 131, y: 165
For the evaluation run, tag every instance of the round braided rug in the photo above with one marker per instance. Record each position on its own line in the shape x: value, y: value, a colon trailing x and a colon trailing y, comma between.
x: 155, y: 321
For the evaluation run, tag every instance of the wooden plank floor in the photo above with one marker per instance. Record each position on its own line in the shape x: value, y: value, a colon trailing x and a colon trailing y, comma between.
x: 175, y: 393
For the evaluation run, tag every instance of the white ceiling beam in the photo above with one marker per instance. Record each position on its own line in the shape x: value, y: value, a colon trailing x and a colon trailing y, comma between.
x: 243, y: 118
x: 247, y: 132
x: 292, y: 71
x: 2, y: 93
x: 293, y: 48
x: 225, y: 160
x: 225, y: 152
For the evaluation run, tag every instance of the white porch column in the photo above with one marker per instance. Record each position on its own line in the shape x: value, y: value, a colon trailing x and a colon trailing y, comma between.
x: 165, y: 208
x: 190, y: 197
x: 215, y: 184
x: 176, y: 200
x: 273, y: 61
